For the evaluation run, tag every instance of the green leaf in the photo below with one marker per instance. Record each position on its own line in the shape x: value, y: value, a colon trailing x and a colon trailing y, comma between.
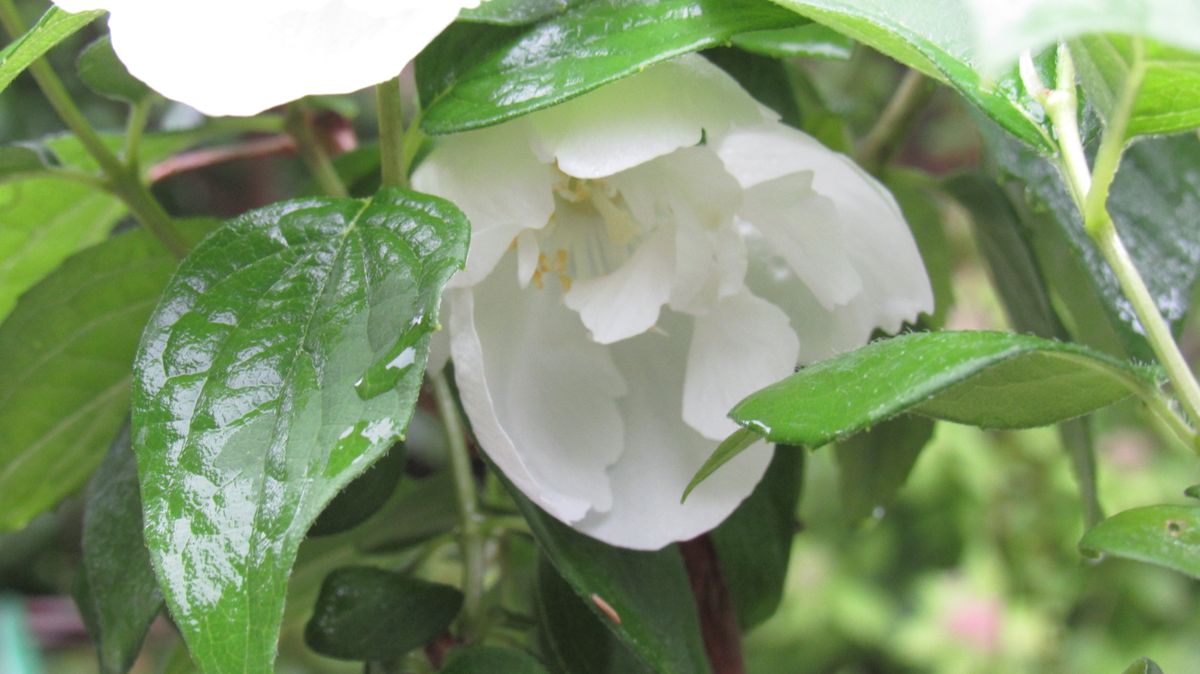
x: 515, y: 12
x: 1165, y: 535
x: 986, y: 379
x: 643, y: 597
x: 572, y: 637
x: 811, y: 41
x: 364, y: 496
x: 936, y: 37
x: 918, y: 202
x: 1153, y: 201
x: 873, y: 466
x: 117, y: 587
x: 284, y: 358
x: 19, y: 161
x: 1144, y: 666
x: 754, y: 545
x: 65, y: 376
x: 1163, y: 83
x: 491, y: 660
x: 514, y: 73
x: 369, y: 614
x: 103, y: 73
x: 54, y: 27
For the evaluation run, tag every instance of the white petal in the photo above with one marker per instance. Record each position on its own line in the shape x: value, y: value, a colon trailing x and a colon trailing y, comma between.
x: 742, y: 345
x: 239, y: 58
x: 805, y: 229
x: 627, y: 301
x: 540, y: 395
x: 635, y: 119
x: 494, y: 178
x: 662, y: 454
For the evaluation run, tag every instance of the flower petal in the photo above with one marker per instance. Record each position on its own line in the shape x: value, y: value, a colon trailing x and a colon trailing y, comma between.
x: 540, y: 395
x: 627, y: 301
x: 240, y: 58
x: 742, y: 345
x: 635, y: 119
x: 501, y: 198
x: 663, y: 453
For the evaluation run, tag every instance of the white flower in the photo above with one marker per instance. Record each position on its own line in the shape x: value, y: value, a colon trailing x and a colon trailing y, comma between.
x: 240, y: 57
x: 643, y: 257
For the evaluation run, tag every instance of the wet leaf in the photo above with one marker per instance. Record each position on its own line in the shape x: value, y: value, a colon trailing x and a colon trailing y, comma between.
x: 810, y: 40
x: 514, y: 73
x: 246, y: 417
x: 1165, y: 535
x: 369, y: 614
x: 54, y: 27
x: 363, y: 497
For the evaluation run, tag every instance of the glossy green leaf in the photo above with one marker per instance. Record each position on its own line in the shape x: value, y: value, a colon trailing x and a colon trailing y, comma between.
x: 937, y: 38
x: 369, y: 614
x: 103, y: 73
x: 1144, y: 666
x: 54, y: 27
x: 810, y: 40
x: 986, y: 379
x: 1153, y: 202
x: 572, y: 638
x: 364, y: 496
x: 873, y: 466
x: 1164, y: 82
x: 754, y: 545
x: 491, y: 660
x: 117, y: 586
x: 587, y: 46
x: 284, y: 359
x: 515, y: 12
x: 642, y: 597
x: 65, y: 376
x: 1165, y: 535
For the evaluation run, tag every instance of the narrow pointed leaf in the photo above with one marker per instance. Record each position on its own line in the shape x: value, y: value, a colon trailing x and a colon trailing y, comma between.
x: 588, y: 45
x: 1165, y: 535
x: 1144, y: 666
x: 54, y: 27
x: 284, y: 359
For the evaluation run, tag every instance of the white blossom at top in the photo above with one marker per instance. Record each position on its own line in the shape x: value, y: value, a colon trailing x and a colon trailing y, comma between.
x: 240, y: 57
x: 643, y: 257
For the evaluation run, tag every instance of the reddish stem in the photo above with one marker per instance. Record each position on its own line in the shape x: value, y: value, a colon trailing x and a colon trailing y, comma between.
x: 718, y: 621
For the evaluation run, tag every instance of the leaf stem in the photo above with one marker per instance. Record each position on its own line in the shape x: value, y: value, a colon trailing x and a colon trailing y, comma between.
x: 299, y: 127
x: 125, y: 181
x: 392, y: 148
x: 1091, y: 198
x: 884, y: 138
x: 139, y: 116
x: 471, y: 535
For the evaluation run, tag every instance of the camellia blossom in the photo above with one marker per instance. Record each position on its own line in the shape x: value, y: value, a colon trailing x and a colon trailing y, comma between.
x: 240, y: 57
x: 643, y: 257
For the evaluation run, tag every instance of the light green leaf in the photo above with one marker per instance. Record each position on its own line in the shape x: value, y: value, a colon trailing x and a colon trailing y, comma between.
x: 515, y: 12
x: 1162, y: 83
x: 1144, y: 666
x: 474, y: 78
x: 811, y: 40
x: 284, y: 358
x: 1165, y: 535
x: 54, y: 27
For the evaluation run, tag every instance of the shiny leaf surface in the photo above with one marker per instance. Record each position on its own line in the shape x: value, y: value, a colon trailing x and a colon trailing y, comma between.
x: 572, y: 53
x: 1164, y: 82
x: 1166, y: 535
x: 54, y: 27
x: 363, y: 497
x: 515, y: 12
x: 810, y: 41
x: 284, y: 359
x: 369, y: 614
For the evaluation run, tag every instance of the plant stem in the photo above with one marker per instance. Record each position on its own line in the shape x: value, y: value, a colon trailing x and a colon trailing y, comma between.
x: 139, y: 116
x: 393, y: 157
x: 125, y: 181
x: 882, y: 141
x: 471, y: 537
x: 299, y: 126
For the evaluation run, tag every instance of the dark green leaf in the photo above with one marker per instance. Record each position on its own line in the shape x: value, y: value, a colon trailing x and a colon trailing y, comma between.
x: 1166, y: 535
x: 19, y: 161
x: 1192, y: 491
x: 370, y: 614
x: 1144, y: 666
x: 874, y: 465
x: 754, y: 545
x: 765, y: 78
x: 572, y: 637
x: 812, y: 40
x: 65, y: 376
x: 1165, y: 82
x: 284, y: 359
x: 491, y: 660
x: 986, y: 379
x: 643, y: 597
x: 572, y: 53
x: 515, y: 12
x: 54, y: 27
x: 103, y: 73
x: 363, y: 497
x: 924, y: 218
x: 936, y: 37
x: 118, y: 584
